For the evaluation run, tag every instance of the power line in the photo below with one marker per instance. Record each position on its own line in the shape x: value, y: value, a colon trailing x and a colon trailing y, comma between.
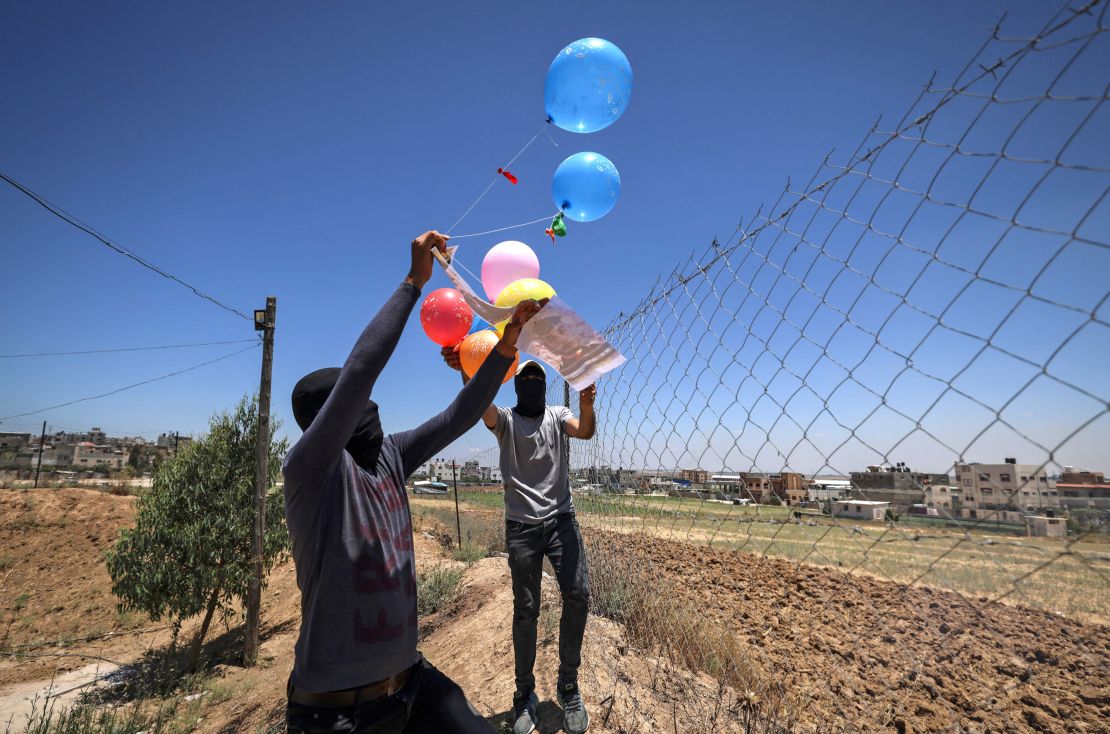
x: 70, y: 219
x: 126, y: 349
x: 128, y: 387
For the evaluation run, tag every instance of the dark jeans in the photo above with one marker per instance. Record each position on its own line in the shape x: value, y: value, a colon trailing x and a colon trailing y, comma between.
x: 560, y: 540
x: 429, y: 702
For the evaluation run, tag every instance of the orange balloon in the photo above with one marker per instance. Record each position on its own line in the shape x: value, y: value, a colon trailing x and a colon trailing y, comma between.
x: 474, y: 350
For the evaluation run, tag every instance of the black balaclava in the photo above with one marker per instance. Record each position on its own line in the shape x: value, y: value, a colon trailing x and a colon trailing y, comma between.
x: 309, y: 396
x: 531, y: 394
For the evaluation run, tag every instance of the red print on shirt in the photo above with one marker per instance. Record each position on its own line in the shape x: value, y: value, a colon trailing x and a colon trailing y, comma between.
x: 370, y: 634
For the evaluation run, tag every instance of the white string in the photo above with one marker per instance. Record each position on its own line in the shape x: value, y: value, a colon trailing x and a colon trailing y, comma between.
x: 502, y: 229
x: 467, y: 271
x: 526, y: 146
x: 480, y: 197
x: 491, y: 183
x: 548, y: 134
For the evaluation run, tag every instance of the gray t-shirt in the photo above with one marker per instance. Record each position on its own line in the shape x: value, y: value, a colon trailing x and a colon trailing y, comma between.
x: 351, y: 528
x: 533, y: 463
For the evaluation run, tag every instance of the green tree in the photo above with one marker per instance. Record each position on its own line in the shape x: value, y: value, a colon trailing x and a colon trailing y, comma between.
x: 141, y: 458
x: 190, y: 549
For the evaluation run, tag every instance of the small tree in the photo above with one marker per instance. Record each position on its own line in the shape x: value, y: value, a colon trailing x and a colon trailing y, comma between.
x: 190, y: 549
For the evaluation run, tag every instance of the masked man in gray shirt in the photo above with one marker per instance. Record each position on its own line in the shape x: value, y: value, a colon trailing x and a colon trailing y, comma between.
x: 356, y: 668
x: 540, y: 521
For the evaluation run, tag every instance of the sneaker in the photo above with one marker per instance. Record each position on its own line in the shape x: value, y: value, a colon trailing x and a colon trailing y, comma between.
x: 575, y: 718
x: 524, y: 713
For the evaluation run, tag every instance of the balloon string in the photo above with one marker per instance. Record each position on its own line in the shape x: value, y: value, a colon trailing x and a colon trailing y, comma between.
x: 494, y: 180
x: 455, y: 261
x: 469, y: 208
x: 502, y: 229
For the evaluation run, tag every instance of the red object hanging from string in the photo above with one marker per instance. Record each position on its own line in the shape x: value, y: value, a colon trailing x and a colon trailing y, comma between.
x: 550, y: 233
x: 506, y: 174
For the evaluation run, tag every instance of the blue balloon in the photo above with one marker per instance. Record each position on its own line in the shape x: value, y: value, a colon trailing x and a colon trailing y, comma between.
x: 588, y: 86
x: 479, y: 324
x: 586, y: 186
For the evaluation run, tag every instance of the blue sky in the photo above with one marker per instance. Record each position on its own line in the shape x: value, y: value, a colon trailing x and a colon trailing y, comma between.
x: 294, y: 149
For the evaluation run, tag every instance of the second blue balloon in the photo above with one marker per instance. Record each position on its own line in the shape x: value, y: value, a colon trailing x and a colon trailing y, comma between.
x: 586, y: 186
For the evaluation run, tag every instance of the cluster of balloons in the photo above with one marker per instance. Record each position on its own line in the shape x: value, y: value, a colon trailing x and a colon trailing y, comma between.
x: 587, y: 88
x: 510, y: 273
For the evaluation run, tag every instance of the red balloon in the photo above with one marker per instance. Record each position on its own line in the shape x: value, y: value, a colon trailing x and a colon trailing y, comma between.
x: 445, y: 317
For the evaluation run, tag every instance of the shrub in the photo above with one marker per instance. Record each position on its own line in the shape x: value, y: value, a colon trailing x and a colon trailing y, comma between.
x: 437, y: 588
x: 190, y: 549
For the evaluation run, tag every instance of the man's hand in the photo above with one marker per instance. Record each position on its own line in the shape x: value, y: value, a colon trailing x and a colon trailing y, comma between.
x: 420, y: 272
x: 525, y: 310
x: 584, y: 425
x: 451, y: 357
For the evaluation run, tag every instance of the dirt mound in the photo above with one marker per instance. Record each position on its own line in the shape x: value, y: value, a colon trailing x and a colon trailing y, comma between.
x: 54, y: 587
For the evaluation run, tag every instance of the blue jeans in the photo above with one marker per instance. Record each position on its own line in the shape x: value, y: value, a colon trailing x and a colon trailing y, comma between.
x: 560, y: 540
x: 429, y: 702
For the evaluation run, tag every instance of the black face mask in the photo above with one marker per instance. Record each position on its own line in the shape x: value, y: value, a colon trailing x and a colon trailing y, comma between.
x: 309, y: 396
x: 531, y: 396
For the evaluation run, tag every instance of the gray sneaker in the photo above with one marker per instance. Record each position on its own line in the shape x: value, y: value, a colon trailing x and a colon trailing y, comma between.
x: 575, y: 718
x: 524, y: 713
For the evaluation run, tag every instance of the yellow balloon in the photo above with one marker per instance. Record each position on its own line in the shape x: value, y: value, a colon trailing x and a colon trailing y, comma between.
x: 521, y: 290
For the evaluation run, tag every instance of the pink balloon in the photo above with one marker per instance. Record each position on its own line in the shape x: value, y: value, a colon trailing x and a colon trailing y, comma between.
x: 506, y: 262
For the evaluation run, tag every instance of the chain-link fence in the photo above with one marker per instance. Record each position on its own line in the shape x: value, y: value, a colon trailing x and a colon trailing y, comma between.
x: 818, y: 491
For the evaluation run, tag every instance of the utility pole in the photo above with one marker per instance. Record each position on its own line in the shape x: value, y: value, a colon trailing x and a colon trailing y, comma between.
x: 42, y: 445
x: 263, y: 321
x: 458, y: 523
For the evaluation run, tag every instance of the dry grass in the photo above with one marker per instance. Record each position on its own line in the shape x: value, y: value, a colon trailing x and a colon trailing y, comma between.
x: 661, y: 622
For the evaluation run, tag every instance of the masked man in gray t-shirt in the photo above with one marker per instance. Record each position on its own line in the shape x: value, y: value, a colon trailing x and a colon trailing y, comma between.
x: 539, y: 522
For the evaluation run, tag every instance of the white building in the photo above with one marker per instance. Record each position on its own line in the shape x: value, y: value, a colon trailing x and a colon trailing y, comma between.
x: 827, y: 490
x: 861, y: 509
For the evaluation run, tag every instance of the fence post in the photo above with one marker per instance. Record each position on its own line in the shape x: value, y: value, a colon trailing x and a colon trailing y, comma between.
x: 42, y: 447
x: 455, y: 484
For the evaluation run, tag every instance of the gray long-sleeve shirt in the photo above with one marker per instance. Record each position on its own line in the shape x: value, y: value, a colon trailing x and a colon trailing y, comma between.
x: 351, y: 529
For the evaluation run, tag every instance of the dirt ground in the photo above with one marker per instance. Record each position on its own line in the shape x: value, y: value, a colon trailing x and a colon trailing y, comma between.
x: 852, y: 653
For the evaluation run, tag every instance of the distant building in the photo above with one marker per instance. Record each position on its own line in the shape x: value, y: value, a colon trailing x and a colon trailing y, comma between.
x: 827, y: 489
x: 694, y: 476
x: 88, y: 455
x: 14, y: 441
x: 1083, y: 490
x: 898, y: 485
x: 985, y: 489
x: 731, y: 484
x: 53, y: 456
x: 860, y: 509
x: 940, y: 496
x: 1047, y: 527
x: 11, y: 444
x: 437, y: 470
